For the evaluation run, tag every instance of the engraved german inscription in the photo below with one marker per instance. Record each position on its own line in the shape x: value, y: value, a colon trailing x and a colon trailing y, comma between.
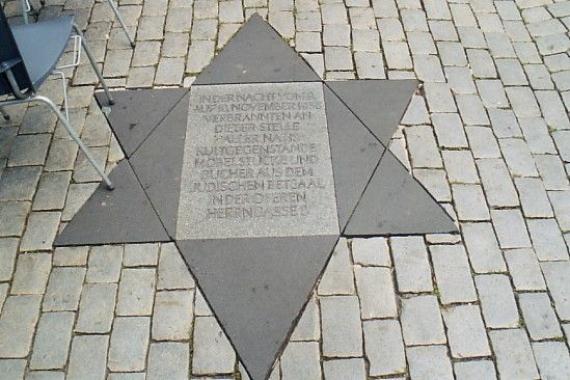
x: 256, y: 163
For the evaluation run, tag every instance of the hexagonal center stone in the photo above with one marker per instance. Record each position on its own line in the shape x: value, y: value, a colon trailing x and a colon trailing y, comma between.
x: 257, y: 163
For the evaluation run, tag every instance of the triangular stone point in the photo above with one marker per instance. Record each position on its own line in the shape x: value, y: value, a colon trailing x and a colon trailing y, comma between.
x: 123, y: 215
x: 257, y: 288
x: 380, y: 104
x: 353, y: 163
x: 256, y: 54
x: 136, y: 113
x: 395, y: 203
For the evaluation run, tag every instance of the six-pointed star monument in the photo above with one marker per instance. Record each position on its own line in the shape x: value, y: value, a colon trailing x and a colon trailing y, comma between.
x: 255, y: 172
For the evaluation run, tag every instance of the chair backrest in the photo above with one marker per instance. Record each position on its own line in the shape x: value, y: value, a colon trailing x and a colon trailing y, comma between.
x: 10, y: 54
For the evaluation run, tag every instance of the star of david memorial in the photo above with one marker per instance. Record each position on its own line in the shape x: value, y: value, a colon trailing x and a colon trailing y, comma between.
x: 255, y: 172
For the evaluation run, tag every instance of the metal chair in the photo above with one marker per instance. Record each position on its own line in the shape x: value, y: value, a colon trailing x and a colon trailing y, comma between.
x: 28, y: 55
x: 27, y: 7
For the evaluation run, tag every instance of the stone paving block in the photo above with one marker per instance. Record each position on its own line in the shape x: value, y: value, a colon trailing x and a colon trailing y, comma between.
x: 13, y: 218
x: 19, y: 183
x: 553, y: 359
x: 547, y: 240
x: 443, y: 30
x: 29, y: 150
x: 539, y: 316
x: 369, y: 65
x: 523, y: 101
x: 429, y: 362
x: 539, y: 77
x: 40, y: 231
x: 423, y: 147
x: 338, y: 276
x: 413, y: 272
x: 61, y: 155
x: 51, y: 191
x: 439, y: 97
x: 8, y: 254
x: 179, y: 20
x: 534, y: 200
x: 397, y: 55
x: 3, y: 293
x: 366, y: 40
x: 497, y: 301
x: 472, y: 110
x: 64, y: 289
x: 561, y: 205
x: 525, y: 269
x: 200, y: 53
x: 497, y: 183
x: 452, y: 274
x: 105, y: 263
x: 213, y: 353
x: 338, y: 58
x: 460, y: 166
x: 172, y: 271
x: 301, y: 360
x: 372, y: 251
x: 96, y: 308
x: 483, y: 142
x: 466, y: 331
x: 344, y: 369
x: 13, y: 368
x: 32, y: 273
x: 172, y: 317
x: 470, y: 202
x: 421, y: 43
x: 492, y: 93
x: 481, y: 63
x: 46, y: 375
x: 136, y: 292
x: 537, y: 137
x: 129, y: 344
x: 376, y: 292
x: 474, y: 370
x: 70, y: 256
x: 514, y: 354
x: 552, y: 172
x: 126, y: 376
x: 504, y: 123
x: 168, y: 361
x: 342, y: 330
x: 384, y: 347
x: 309, y: 325
x: 140, y: 255
x: 336, y: 35
x: 421, y: 321
x: 510, y: 228
x: 428, y: 68
x: 556, y: 276
x: 391, y: 29
x: 17, y: 325
x: 88, y: 357
x: 518, y: 157
x: 51, y: 344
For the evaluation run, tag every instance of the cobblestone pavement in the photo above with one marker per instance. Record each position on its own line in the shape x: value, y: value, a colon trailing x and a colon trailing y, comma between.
x: 488, y: 134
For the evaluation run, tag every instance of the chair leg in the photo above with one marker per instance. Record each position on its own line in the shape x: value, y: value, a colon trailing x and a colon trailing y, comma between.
x: 121, y: 21
x: 25, y: 9
x: 4, y: 114
x: 76, y: 138
x: 94, y: 64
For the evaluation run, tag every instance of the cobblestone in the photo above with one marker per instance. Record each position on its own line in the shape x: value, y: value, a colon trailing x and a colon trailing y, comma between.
x: 497, y: 301
x: 421, y: 321
x: 514, y: 354
x: 466, y: 331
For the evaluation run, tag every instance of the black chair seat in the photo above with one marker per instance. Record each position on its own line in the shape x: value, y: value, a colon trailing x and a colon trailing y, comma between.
x: 42, y: 44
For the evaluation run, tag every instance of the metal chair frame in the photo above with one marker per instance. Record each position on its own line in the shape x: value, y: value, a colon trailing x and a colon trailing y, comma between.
x: 30, y: 97
x: 27, y: 7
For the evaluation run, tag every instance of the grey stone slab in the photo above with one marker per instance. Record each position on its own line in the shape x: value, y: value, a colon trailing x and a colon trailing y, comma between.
x: 395, y: 203
x: 379, y: 104
x: 158, y: 164
x: 136, y: 113
x: 257, y: 288
x: 123, y: 215
x: 256, y: 54
x: 256, y: 163
x: 353, y: 163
